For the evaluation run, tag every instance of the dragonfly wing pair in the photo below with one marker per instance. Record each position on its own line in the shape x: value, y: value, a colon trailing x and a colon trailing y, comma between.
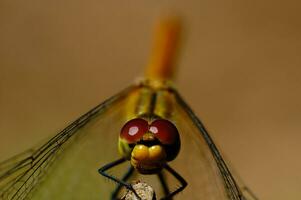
x: 66, y: 166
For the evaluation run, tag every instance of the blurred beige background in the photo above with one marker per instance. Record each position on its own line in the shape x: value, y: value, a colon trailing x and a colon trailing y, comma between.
x: 239, y: 69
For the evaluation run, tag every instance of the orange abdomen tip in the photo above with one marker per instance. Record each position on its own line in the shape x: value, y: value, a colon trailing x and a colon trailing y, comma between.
x: 161, y: 64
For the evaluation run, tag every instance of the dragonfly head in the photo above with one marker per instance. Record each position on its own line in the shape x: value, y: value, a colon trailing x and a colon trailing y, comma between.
x: 149, y: 145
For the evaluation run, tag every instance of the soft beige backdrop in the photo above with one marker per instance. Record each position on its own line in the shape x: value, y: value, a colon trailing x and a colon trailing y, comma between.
x: 239, y: 69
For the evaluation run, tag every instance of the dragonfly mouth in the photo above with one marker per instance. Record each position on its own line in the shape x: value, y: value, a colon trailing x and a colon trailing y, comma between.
x: 148, y: 159
x: 149, y: 143
x: 147, y: 168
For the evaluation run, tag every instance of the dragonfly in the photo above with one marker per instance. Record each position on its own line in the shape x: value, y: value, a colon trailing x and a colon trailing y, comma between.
x: 147, y: 132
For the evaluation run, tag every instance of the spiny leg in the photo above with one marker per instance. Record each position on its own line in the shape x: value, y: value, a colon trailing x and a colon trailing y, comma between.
x: 108, y: 166
x: 163, y: 183
x: 179, y: 178
x: 126, y: 176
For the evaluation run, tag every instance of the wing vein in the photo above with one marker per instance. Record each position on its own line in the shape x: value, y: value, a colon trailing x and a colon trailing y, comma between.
x: 26, y: 173
x: 230, y: 184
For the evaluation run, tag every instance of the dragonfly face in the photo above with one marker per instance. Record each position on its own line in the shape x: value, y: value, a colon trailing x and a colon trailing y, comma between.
x: 149, y: 144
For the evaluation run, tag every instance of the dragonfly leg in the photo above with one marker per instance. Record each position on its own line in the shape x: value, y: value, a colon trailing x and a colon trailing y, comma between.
x: 163, y: 183
x: 126, y: 176
x: 179, y: 178
x: 108, y: 166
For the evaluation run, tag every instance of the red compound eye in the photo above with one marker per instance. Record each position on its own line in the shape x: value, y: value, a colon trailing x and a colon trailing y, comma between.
x: 165, y: 131
x: 133, y: 130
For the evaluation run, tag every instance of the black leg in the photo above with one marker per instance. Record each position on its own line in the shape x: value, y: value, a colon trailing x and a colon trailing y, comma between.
x: 126, y: 176
x: 163, y: 183
x: 108, y: 166
x: 179, y: 178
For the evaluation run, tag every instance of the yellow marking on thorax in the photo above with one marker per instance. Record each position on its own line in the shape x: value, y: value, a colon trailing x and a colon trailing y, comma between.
x: 139, y: 102
x: 164, y: 104
x: 151, y: 99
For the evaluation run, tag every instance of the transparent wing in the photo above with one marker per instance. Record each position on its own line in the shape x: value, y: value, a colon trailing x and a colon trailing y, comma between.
x: 247, y: 193
x: 9, y: 166
x: 224, y: 179
x: 22, y: 173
